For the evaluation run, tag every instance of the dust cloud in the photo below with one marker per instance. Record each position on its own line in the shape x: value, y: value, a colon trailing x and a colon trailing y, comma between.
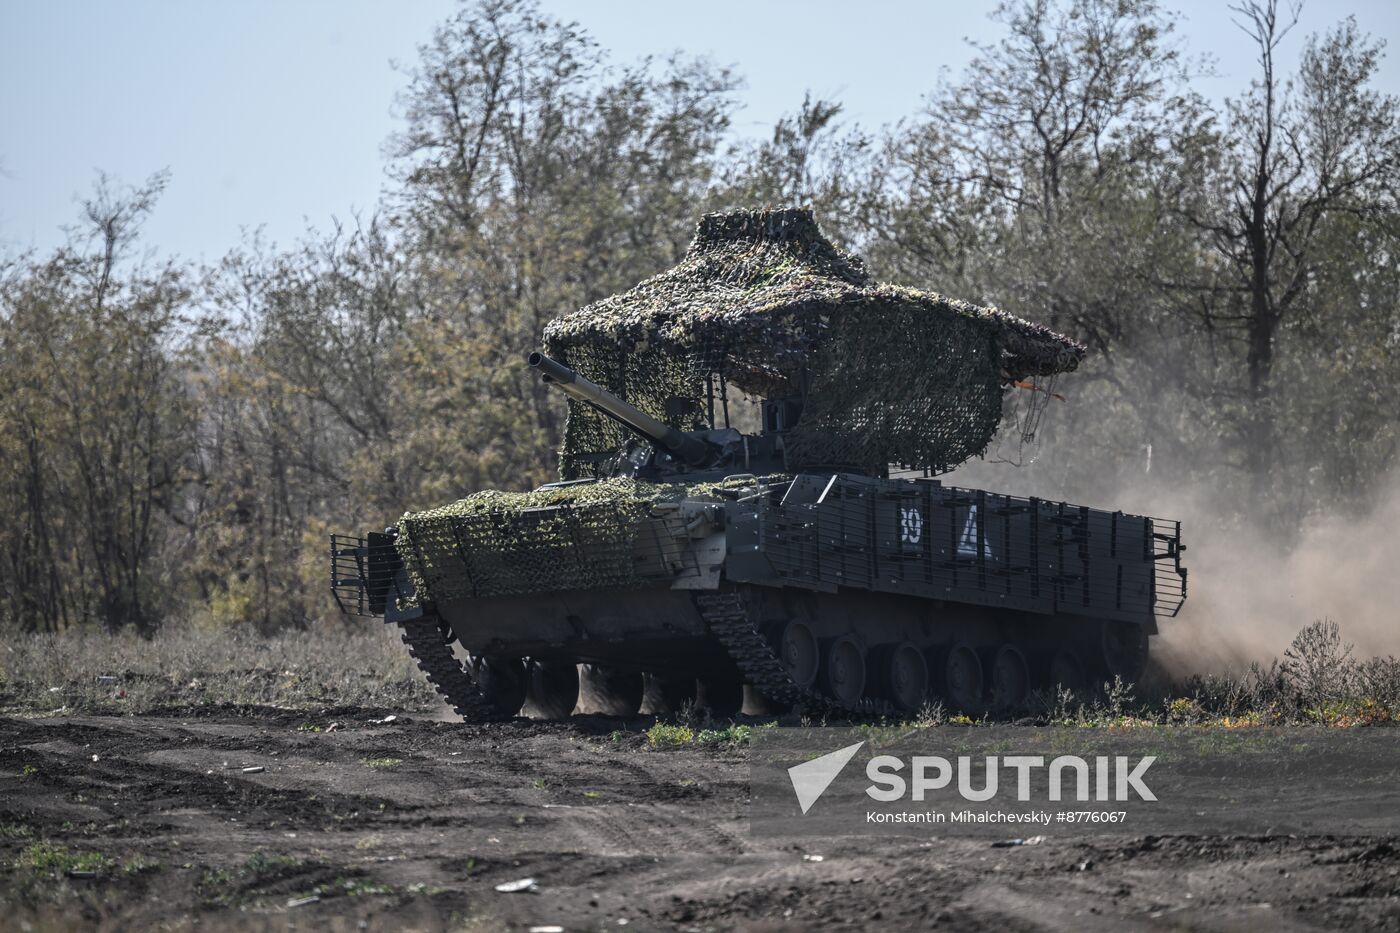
x: 1252, y: 592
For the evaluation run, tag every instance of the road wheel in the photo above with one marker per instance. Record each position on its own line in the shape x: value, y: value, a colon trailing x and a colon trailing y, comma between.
x: 962, y: 678
x: 501, y: 681
x: 1067, y: 672
x: 843, y: 670
x: 553, y: 689
x: 906, y: 678
x: 1010, y: 680
x: 609, y: 691
x: 758, y: 703
x: 800, y: 653
x: 663, y: 694
x: 1124, y: 647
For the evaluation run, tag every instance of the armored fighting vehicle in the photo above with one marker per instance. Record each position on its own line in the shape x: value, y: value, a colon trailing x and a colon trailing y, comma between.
x: 816, y: 559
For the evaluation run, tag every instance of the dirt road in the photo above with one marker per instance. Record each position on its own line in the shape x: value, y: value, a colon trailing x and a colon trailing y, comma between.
x: 142, y: 822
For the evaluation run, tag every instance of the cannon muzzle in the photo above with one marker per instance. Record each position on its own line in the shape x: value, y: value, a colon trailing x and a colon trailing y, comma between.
x: 682, y: 446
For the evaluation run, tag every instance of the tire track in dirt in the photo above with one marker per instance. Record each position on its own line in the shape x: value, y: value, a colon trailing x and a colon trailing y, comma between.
x: 417, y: 821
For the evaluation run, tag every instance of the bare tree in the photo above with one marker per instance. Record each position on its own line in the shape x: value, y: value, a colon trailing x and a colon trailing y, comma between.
x: 1299, y: 154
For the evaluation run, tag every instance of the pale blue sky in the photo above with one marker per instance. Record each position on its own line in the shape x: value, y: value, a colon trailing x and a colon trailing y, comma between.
x: 273, y: 114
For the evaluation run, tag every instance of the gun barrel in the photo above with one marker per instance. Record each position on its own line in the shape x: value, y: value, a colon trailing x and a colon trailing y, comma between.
x: 682, y: 446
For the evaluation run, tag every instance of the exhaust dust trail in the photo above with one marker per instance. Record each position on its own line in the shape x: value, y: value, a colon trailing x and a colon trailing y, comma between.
x: 1251, y: 593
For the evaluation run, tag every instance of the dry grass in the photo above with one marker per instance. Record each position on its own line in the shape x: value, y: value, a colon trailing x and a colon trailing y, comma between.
x: 1317, y: 681
x: 336, y: 666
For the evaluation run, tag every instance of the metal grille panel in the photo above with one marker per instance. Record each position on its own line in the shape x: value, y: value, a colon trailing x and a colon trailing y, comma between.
x: 971, y: 546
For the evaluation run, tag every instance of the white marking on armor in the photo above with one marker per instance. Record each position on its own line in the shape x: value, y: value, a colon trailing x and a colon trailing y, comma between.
x: 967, y: 547
x: 911, y: 526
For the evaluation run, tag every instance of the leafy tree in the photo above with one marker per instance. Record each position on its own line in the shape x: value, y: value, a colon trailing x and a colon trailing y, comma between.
x: 97, y: 421
x: 538, y: 178
x: 810, y: 159
x: 381, y: 369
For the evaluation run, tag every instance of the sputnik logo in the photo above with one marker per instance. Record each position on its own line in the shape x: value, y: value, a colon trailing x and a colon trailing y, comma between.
x: 811, y: 778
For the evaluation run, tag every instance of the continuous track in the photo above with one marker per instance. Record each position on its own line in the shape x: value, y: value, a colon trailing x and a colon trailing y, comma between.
x: 429, y: 643
x: 728, y: 618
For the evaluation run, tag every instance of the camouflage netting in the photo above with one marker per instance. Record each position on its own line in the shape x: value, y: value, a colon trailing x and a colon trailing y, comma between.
x: 504, y: 543
x: 586, y: 536
x: 763, y: 303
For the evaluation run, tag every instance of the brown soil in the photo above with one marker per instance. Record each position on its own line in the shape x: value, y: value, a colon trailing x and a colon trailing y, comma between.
x: 611, y: 830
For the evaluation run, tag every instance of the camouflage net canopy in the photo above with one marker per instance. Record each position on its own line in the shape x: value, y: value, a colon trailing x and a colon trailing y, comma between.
x: 765, y: 304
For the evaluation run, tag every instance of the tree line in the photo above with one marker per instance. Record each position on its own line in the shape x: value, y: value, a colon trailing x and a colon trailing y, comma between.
x: 178, y: 441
